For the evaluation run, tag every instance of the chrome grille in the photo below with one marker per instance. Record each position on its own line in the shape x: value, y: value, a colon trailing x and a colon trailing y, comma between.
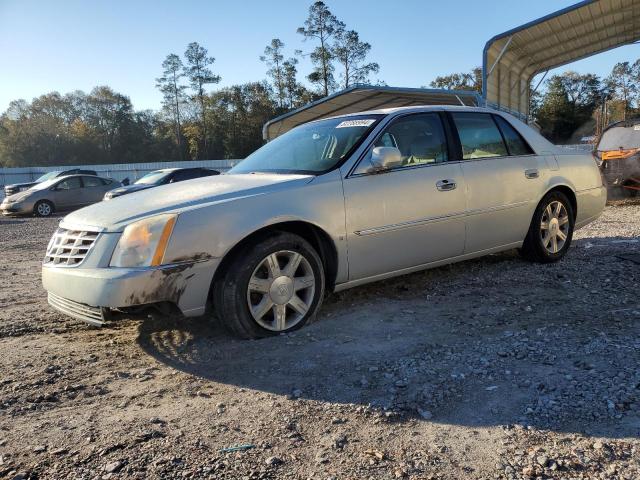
x: 69, y: 247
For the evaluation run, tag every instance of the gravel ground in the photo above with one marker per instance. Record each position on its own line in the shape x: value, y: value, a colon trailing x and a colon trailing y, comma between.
x: 494, y: 368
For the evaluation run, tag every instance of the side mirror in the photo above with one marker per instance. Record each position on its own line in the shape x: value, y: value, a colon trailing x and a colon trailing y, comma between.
x: 385, y: 158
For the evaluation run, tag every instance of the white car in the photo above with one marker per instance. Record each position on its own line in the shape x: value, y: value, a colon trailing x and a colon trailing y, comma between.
x: 329, y: 205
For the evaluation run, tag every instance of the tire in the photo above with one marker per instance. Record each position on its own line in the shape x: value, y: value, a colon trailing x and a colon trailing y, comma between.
x: 539, y: 244
x: 43, y: 208
x: 255, y: 298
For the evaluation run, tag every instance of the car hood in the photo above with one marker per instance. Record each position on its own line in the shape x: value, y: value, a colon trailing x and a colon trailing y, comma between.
x: 21, y: 185
x: 115, y: 214
x: 17, y: 197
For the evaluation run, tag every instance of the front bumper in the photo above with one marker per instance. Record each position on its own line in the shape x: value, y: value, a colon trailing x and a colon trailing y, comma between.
x: 83, y: 292
x: 11, y: 209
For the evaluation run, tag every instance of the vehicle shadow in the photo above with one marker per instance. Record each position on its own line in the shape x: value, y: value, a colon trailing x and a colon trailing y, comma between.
x: 493, y: 341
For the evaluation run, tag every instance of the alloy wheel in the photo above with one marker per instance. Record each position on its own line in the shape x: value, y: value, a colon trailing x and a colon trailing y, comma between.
x: 44, y: 209
x: 554, y: 227
x: 281, y: 290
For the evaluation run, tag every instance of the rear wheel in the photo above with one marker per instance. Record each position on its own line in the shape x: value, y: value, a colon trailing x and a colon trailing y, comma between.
x: 551, y: 229
x: 273, y: 286
x: 43, y: 208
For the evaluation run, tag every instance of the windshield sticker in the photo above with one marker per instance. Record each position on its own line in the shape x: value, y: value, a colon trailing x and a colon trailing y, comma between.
x: 356, y: 123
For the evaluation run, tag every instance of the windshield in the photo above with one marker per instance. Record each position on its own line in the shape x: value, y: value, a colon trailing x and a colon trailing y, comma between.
x: 47, y: 176
x: 153, y: 178
x: 310, y: 148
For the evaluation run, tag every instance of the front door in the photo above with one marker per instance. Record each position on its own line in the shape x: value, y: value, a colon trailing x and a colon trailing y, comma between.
x: 409, y: 215
x: 68, y: 193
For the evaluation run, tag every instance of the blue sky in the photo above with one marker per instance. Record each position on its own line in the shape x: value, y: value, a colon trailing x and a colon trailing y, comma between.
x: 66, y: 45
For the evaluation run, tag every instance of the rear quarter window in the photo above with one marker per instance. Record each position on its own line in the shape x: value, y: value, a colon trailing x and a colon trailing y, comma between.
x: 515, y: 143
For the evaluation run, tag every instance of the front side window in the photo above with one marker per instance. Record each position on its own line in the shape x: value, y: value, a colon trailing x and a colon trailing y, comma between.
x: 515, y: 142
x: 311, y: 148
x: 479, y: 136
x: 419, y: 137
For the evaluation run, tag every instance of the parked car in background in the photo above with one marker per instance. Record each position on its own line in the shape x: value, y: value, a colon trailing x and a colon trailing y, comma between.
x: 19, y: 187
x: 329, y: 205
x: 58, y: 194
x: 161, y: 177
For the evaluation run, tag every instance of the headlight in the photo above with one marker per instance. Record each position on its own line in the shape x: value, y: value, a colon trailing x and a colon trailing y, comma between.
x: 143, y: 243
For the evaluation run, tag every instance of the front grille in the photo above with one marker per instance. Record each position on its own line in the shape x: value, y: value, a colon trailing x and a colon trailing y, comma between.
x: 69, y: 247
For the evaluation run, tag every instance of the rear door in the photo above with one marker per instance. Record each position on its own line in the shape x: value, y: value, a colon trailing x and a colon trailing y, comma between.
x: 502, y: 176
x: 410, y: 215
x: 93, y: 190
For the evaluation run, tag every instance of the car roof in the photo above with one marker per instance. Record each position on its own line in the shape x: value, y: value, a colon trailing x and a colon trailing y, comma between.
x: 535, y: 140
x: 82, y: 175
x: 175, y: 169
x: 421, y: 108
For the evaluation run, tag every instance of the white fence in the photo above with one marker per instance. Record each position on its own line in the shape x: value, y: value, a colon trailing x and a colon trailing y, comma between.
x: 118, y: 171
x: 580, y: 147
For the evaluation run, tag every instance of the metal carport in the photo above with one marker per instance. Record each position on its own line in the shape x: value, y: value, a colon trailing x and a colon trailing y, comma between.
x: 361, y: 98
x: 513, y: 58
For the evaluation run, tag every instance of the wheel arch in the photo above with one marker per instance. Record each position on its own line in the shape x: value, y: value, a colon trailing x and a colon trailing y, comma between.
x: 319, y: 239
x: 568, y: 192
x: 44, y: 200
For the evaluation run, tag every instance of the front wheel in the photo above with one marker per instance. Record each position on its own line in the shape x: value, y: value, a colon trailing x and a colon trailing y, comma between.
x: 551, y: 229
x: 43, y: 208
x: 273, y: 286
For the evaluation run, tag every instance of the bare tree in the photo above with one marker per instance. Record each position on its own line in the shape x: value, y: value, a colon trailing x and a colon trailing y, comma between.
x: 199, y: 74
x: 351, y: 54
x: 274, y: 58
x: 321, y: 25
x: 173, y: 92
x: 622, y: 84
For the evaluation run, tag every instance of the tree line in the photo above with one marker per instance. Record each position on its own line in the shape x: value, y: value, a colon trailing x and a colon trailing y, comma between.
x: 196, y: 121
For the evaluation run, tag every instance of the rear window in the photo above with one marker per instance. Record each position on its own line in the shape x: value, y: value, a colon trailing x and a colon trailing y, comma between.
x: 515, y: 142
x: 479, y: 136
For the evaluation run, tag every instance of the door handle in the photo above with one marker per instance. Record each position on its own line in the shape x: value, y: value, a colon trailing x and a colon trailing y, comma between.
x: 446, y: 185
x: 532, y: 173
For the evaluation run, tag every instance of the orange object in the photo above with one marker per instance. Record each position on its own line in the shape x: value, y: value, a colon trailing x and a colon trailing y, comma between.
x: 617, y: 154
x: 162, y: 243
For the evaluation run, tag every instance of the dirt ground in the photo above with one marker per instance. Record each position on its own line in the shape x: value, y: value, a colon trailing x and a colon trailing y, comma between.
x: 494, y: 368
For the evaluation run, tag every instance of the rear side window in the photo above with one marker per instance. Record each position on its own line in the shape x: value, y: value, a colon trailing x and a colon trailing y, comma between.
x: 515, y: 142
x: 91, y: 181
x: 188, y: 174
x: 479, y: 136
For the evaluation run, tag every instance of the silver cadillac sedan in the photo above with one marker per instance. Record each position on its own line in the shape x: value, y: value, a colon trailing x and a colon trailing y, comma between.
x: 329, y: 205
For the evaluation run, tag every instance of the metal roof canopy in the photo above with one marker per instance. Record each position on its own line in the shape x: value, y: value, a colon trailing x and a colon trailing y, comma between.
x: 513, y: 58
x: 362, y: 98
